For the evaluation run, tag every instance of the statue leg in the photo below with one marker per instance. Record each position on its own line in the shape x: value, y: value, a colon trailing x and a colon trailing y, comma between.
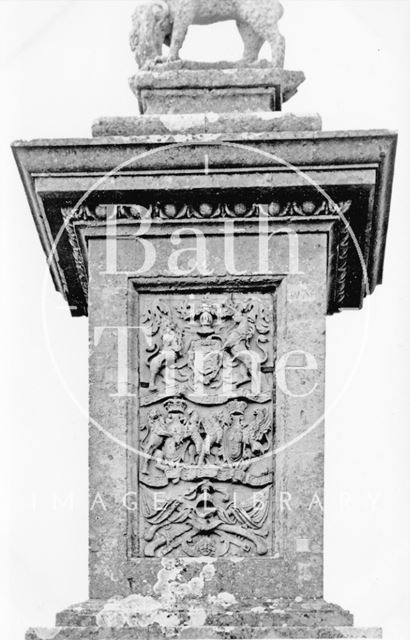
x: 152, y: 448
x: 145, y: 463
x: 278, y: 46
x: 167, y: 42
x: 251, y: 40
x: 155, y: 366
x: 199, y: 445
x: 184, y: 17
x: 205, y: 450
x: 264, y: 21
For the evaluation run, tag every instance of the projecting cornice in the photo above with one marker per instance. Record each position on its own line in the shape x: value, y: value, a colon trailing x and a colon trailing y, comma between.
x: 300, y: 177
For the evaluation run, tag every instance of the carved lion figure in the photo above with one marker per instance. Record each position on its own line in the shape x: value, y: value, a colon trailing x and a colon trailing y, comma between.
x: 158, y: 22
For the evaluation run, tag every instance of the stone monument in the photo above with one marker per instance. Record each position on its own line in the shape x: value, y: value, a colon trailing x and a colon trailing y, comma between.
x: 207, y: 239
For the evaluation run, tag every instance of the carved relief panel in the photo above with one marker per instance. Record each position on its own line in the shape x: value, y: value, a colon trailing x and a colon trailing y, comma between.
x: 205, y: 424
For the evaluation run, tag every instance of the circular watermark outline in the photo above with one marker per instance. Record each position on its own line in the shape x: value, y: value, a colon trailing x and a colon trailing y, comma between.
x: 243, y: 147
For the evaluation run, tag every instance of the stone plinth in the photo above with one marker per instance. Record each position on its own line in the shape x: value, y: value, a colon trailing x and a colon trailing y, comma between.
x: 139, y: 617
x: 189, y: 87
x: 197, y: 123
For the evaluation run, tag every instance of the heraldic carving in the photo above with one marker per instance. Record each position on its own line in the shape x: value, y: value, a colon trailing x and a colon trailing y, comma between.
x: 208, y: 351
x: 205, y: 425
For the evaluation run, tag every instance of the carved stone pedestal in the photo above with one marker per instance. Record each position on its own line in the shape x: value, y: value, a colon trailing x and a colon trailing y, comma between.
x: 207, y: 264
x: 197, y: 97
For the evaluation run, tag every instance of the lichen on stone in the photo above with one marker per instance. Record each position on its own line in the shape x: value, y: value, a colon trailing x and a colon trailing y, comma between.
x: 176, y: 602
x: 47, y: 634
x: 223, y: 599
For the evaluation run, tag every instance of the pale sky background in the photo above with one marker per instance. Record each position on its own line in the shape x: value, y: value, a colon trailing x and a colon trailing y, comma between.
x: 63, y: 64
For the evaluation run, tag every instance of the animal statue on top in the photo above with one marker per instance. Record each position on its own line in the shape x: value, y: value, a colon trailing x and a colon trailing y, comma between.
x: 159, y: 22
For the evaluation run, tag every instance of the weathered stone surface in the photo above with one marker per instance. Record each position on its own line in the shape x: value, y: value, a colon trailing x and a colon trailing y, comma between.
x: 203, y: 633
x: 201, y: 65
x: 219, y: 88
x: 206, y: 123
x: 256, y: 573
x: 216, y: 617
x: 214, y: 611
x: 158, y: 22
x: 216, y: 75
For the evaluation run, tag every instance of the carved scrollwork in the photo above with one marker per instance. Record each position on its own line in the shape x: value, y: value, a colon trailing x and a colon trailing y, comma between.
x: 112, y: 212
x: 206, y: 520
x: 342, y: 265
x: 76, y: 249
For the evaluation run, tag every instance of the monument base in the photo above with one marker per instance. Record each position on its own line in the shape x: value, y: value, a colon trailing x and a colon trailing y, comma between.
x: 142, y: 618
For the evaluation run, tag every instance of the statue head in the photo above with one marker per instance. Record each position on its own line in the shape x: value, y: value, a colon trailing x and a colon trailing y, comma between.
x: 155, y: 414
x: 151, y: 26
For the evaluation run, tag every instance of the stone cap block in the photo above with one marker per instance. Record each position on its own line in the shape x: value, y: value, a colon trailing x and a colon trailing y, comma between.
x: 206, y: 123
x: 198, y: 87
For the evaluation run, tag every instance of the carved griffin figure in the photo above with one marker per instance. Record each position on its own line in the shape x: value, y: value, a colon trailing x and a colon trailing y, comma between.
x: 158, y: 22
